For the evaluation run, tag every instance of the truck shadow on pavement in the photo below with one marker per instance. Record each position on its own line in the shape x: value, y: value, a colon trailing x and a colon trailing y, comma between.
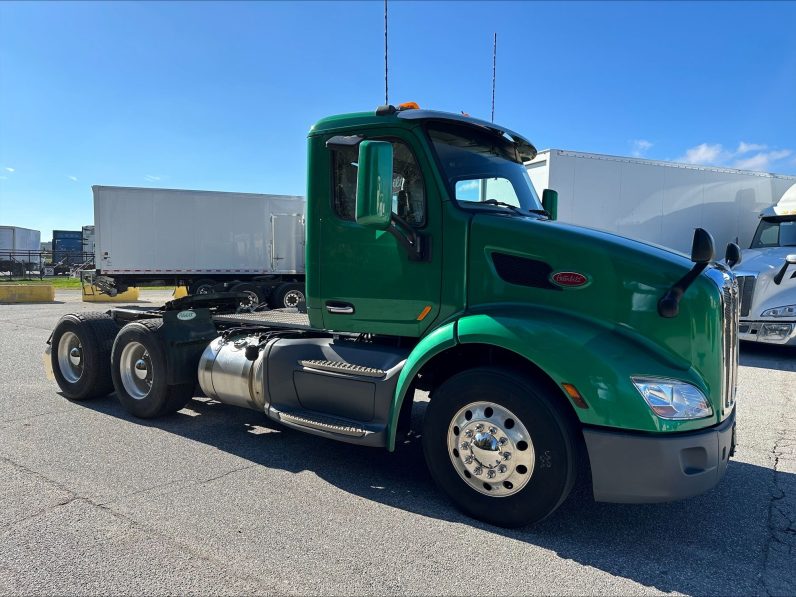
x: 713, y: 544
x: 767, y: 356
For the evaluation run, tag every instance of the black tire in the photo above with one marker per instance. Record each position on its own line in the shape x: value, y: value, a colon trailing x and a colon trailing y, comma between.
x: 160, y: 398
x: 255, y: 293
x: 288, y: 296
x: 203, y: 286
x: 94, y: 334
x: 553, y: 443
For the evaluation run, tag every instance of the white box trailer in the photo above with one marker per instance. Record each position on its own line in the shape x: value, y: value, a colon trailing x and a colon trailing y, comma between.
x: 654, y: 201
x: 14, y: 238
x: 209, y: 241
x: 20, y: 250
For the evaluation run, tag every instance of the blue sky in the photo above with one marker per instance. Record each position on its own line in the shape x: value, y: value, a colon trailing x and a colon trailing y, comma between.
x: 220, y: 96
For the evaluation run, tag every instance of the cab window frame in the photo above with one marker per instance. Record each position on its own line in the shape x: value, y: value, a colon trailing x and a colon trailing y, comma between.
x: 393, y: 139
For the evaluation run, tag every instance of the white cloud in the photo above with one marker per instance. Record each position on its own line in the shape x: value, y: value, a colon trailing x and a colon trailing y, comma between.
x: 748, y: 156
x: 704, y: 154
x: 762, y: 160
x: 152, y: 178
x: 72, y: 178
x: 9, y: 169
x: 747, y: 147
x: 639, y: 147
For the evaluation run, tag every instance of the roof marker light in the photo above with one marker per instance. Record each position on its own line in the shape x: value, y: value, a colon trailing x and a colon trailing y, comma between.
x: 408, y: 106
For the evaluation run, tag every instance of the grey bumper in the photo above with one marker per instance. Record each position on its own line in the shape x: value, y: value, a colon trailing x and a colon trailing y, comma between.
x: 632, y: 468
x: 770, y: 332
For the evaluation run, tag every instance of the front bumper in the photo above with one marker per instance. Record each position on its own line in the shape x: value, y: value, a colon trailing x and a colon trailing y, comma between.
x: 761, y: 331
x: 633, y: 468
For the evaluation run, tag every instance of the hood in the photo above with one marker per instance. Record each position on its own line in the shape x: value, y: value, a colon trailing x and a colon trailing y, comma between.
x: 755, y: 261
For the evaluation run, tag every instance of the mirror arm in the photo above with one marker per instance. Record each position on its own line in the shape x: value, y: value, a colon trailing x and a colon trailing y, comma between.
x: 669, y: 304
x: 781, y: 273
x: 407, y: 238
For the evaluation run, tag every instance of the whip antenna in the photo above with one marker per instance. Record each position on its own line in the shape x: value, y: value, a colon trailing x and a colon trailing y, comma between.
x: 494, y: 64
x: 386, y: 94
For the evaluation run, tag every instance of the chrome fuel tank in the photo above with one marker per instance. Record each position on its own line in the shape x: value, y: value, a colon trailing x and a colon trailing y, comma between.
x: 226, y: 375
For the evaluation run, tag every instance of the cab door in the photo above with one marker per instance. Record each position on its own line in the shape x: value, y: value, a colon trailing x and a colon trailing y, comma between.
x: 368, y: 280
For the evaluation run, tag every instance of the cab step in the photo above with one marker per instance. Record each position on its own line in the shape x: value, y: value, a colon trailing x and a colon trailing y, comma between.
x: 341, y: 367
x: 330, y: 426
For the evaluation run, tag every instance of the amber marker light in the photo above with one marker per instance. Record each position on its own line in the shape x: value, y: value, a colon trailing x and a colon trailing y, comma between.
x: 409, y: 106
x: 573, y: 393
x: 424, y: 312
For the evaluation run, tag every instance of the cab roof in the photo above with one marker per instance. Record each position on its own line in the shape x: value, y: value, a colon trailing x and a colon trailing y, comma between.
x: 391, y: 115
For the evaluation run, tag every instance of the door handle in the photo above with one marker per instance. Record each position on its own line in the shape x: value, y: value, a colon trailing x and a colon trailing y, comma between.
x: 339, y: 308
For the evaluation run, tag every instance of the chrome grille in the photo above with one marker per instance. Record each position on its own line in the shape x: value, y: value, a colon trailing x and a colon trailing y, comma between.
x: 746, y: 288
x: 730, y: 311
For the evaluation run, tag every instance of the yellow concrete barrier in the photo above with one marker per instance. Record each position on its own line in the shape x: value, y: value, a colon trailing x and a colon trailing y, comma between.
x: 91, y: 294
x: 32, y: 293
x: 180, y: 292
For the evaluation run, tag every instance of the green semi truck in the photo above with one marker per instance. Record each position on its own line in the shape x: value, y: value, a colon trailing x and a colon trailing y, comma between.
x: 547, y: 350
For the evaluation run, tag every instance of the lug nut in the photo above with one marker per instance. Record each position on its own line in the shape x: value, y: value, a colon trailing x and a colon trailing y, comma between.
x: 469, y: 459
x: 491, y: 474
x: 468, y: 433
x: 506, y: 455
x: 503, y: 441
x: 493, y: 430
x: 479, y: 427
x: 478, y: 470
x: 465, y: 445
x: 502, y: 468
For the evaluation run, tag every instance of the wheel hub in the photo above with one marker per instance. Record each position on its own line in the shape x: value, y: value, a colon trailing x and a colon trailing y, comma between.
x: 135, y: 369
x: 76, y: 355
x: 141, y: 369
x: 491, y: 449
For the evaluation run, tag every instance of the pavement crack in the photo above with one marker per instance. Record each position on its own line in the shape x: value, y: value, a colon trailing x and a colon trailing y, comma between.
x: 227, y: 473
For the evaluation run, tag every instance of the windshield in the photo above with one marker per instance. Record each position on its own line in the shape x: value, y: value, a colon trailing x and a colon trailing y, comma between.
x: 482, y: 168
x: 775, y: 232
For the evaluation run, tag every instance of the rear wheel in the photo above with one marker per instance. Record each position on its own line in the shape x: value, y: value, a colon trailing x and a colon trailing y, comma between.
x: 81, y: 353
x: 138, y: 366
x: 500, y: 446
x: 204, y: 286
x: 290, y: 296
x: 253, y: 294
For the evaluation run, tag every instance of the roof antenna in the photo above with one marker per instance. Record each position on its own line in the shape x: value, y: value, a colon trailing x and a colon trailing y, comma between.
x: 494, y: 64
x: 386, y: 94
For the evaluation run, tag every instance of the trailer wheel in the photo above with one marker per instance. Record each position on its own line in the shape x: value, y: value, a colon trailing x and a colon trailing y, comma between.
x: 290, y: 295
x: 138, y: 366
x: 204, y: 286
x: 254, y: 296
x: 500, y: 446
x: 81, y: 354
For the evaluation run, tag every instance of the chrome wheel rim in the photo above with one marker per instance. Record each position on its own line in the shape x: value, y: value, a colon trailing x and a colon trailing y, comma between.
x: 135, y: 367
x: 491, y: 449
x: 70, y: 357
x: 250, y: 302
x: 293, y: 298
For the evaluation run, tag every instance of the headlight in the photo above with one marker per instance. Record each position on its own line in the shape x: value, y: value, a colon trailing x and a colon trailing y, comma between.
x: 786, y: 311
x: 672, y: 399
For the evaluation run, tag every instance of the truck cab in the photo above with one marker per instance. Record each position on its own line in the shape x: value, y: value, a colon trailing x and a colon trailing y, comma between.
x: 767, y: 277
x: 547, y: 350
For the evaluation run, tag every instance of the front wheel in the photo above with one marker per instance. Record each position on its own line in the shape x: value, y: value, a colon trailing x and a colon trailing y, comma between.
x: 500, y: 446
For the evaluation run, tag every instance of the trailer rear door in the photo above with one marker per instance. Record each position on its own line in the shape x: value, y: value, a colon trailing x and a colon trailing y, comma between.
x: 287, y: 243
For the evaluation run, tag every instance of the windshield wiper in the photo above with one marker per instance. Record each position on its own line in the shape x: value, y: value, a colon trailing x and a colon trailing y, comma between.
x: 501, y: 203
x: 542, y: 212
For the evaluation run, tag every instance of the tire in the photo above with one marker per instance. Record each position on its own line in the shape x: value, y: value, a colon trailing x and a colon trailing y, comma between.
x: 203, y: 286
x: 254, y: 292
x: 81, y: 354
x: 536, y: 477
x: 289, y: 296
x: 143, y: 390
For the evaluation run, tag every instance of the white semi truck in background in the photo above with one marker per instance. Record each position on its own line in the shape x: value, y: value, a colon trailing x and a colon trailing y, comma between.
x: 209, y: 241
x: 656, y: 202
x: 19, y: 249
x: 767, y: 276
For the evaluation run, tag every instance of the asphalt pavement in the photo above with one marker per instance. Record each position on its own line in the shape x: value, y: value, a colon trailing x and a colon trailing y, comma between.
x: 219, y: 500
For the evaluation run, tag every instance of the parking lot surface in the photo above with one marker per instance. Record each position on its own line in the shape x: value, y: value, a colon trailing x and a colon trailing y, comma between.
x: 220, y: 500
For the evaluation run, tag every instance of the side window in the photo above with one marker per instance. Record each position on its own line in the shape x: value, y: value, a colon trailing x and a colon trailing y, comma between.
x: 408, y: 190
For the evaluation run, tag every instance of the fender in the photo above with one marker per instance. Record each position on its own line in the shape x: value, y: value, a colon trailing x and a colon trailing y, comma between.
x: 598, y: 359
